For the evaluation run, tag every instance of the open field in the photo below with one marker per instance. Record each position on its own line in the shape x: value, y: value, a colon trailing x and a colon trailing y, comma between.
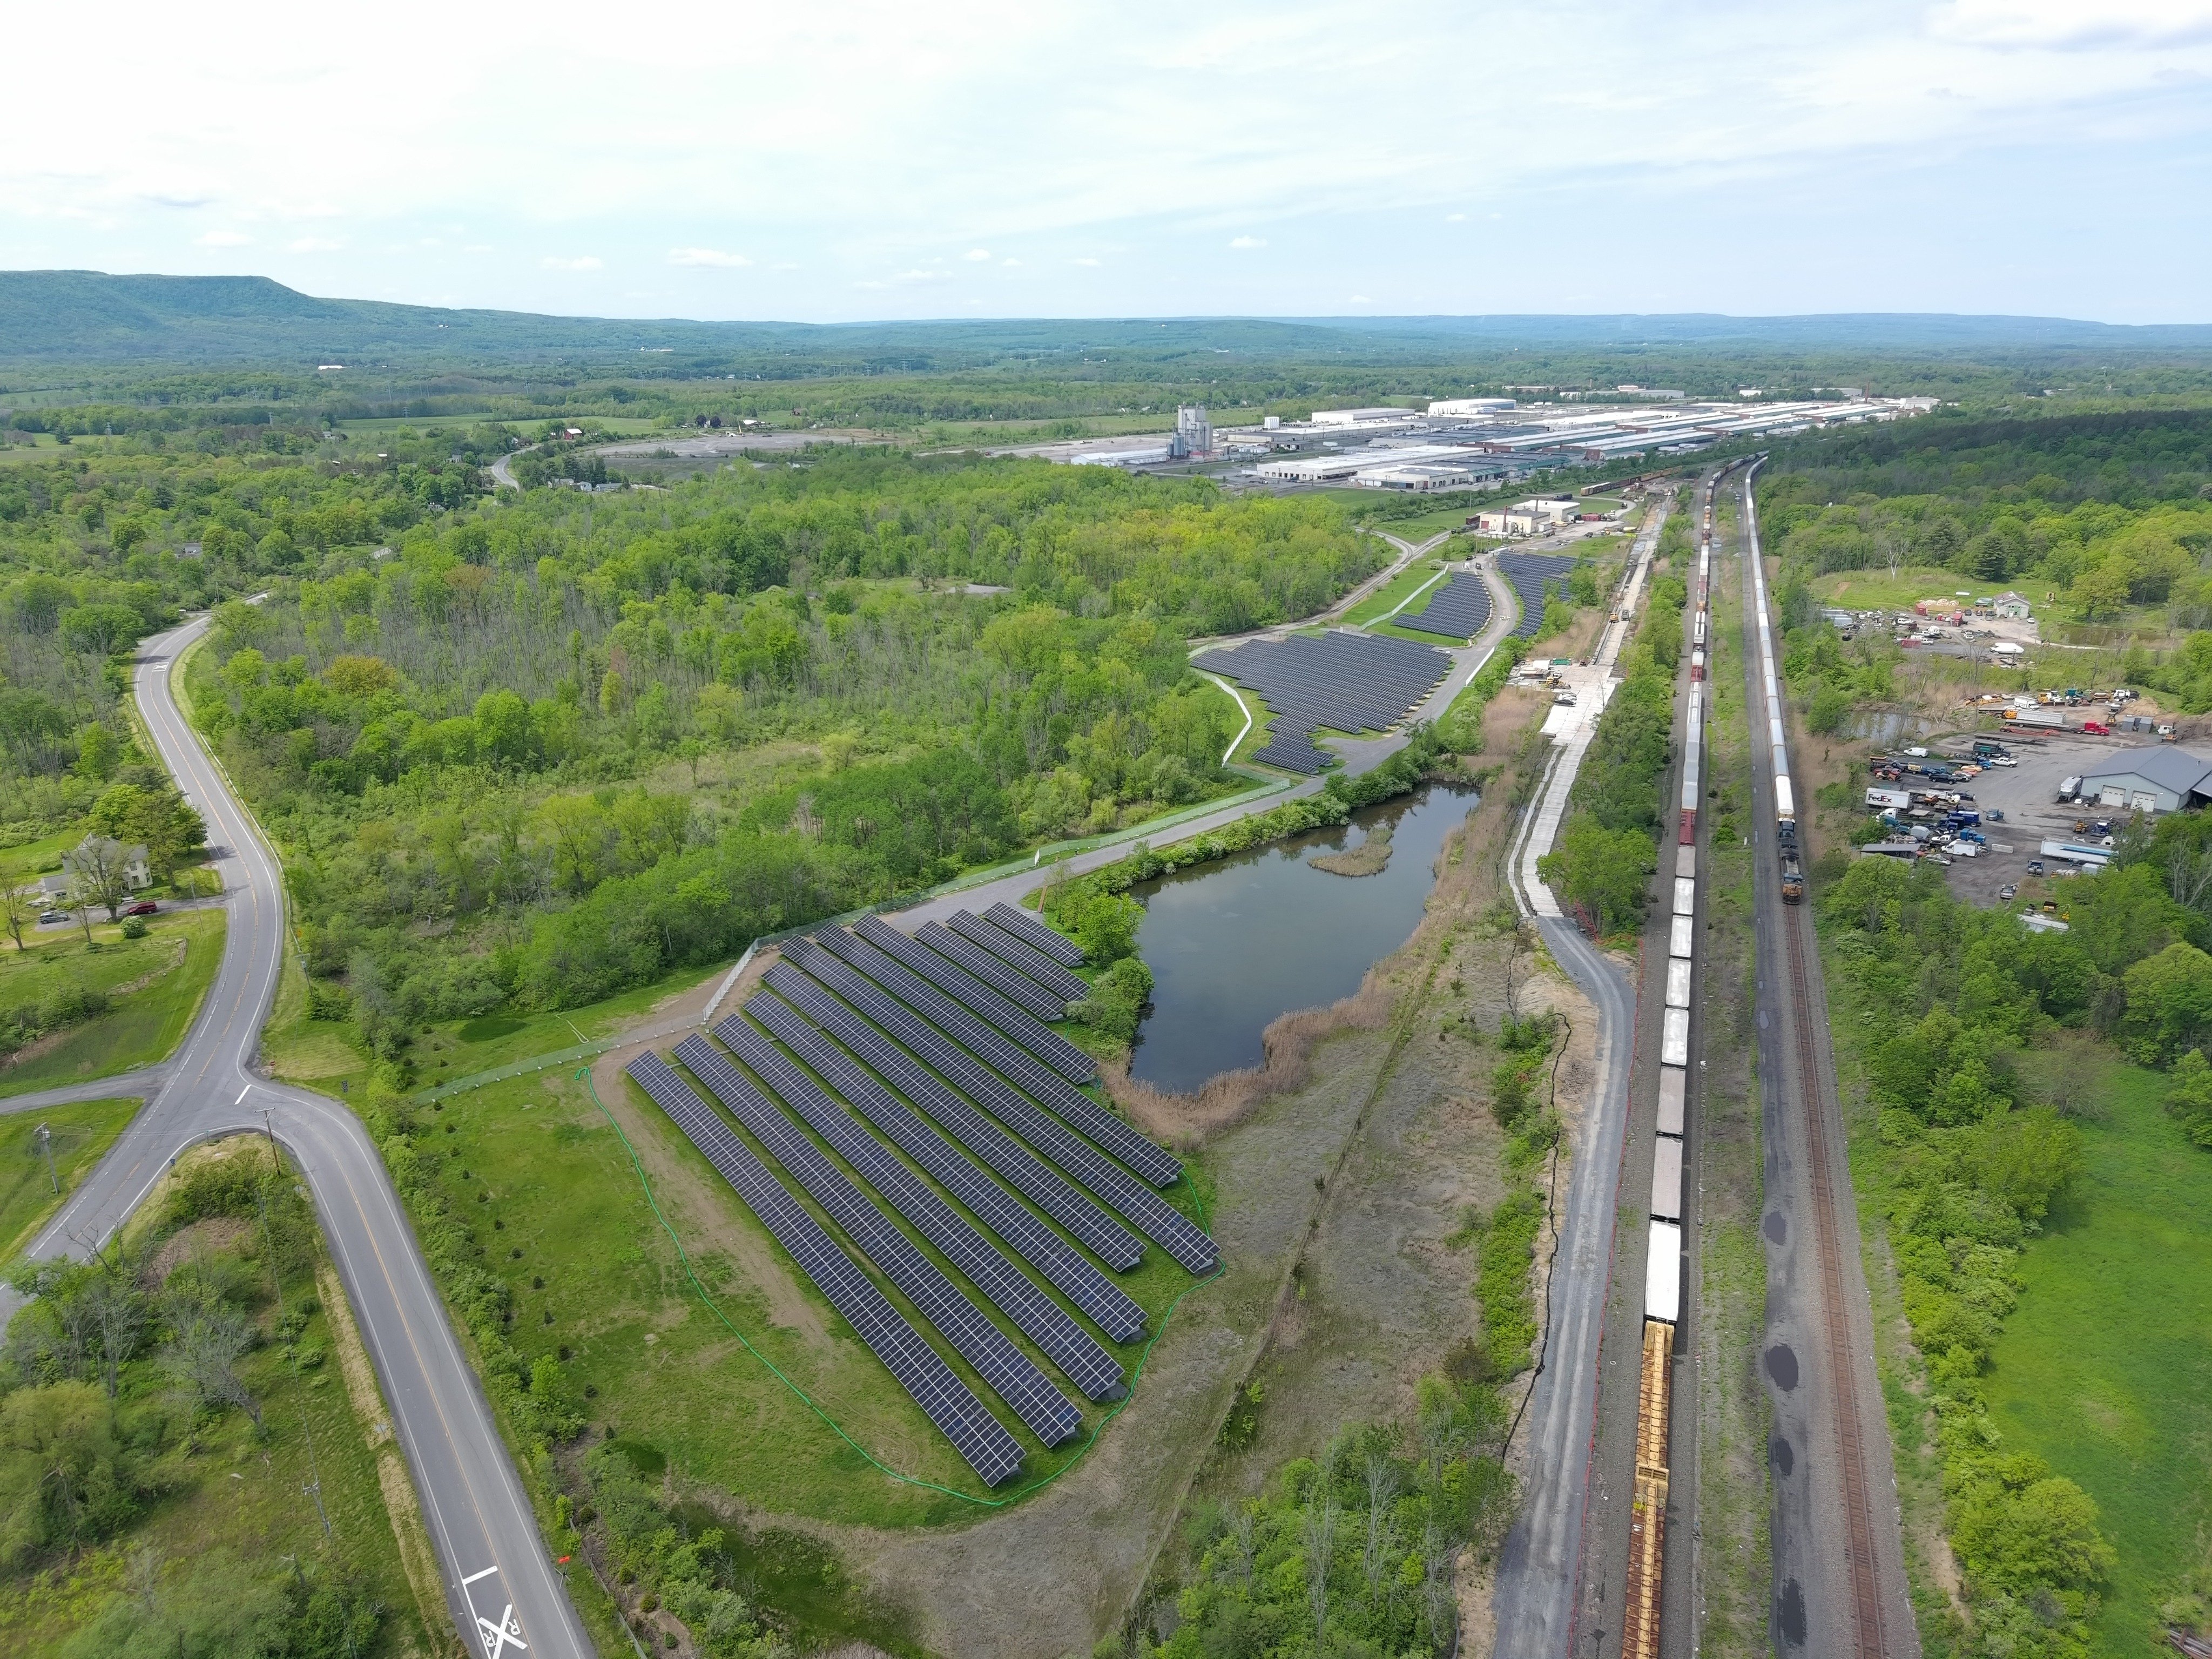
x: 1387, y: 598
x: 81, y: 1134
x: 1877, y: 590
x: 2104, y: 1369
x: 143, y: 1026
x: 230, y: 1492
x: 20, y: 863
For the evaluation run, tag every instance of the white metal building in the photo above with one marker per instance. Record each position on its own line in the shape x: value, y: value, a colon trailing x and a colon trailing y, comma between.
x: 2159, y: 778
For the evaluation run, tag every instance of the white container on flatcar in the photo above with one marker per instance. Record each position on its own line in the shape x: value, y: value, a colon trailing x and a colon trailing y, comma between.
x: 1675, y: 1037
x: 1679, y: 935
x: 1674, y: 1090
x: 1666, y: 1180
x: 1678, y: 981
x: 1663, y: 1274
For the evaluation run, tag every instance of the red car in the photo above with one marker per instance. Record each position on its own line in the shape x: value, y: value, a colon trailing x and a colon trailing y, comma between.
x: 143, y: 907
x: 2096, y: 729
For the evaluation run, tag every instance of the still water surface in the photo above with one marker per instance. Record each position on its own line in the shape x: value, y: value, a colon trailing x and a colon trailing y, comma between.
x: 1233, y: 943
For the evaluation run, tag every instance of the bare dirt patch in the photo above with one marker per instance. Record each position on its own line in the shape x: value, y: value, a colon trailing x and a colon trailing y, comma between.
x: 217, y: 1232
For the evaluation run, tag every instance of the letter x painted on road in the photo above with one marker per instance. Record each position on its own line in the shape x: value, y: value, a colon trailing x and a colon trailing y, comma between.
x: 498, y: 1635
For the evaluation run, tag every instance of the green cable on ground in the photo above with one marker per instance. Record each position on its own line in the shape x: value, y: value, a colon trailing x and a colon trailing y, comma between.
x: 585, y: 1074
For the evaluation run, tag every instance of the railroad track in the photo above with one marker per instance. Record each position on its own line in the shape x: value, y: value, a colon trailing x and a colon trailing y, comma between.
x: 1859, y: 1556
x: 1861, y: 1578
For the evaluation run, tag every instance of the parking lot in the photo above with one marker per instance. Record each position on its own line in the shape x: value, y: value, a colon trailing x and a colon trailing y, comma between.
x: 2027, y: 795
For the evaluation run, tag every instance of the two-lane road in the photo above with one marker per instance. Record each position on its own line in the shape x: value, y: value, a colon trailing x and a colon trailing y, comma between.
x: 506, y: 1595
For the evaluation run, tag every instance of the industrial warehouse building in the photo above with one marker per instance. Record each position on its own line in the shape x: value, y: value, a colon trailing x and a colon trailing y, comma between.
x: 2159, y: 778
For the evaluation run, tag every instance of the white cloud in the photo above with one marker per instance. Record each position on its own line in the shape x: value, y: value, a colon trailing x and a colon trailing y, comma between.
x: 1010, y: 262
x: 1455, y: 218
x: 1083, y: 261
x: 705, y: 256
x: 223, y: 239
x: 1361, y: 300
x: 314, y: 245
x: 2067, y: 25
x: 976, y: 255
x: 583, y: 261
x: 1247, y: 241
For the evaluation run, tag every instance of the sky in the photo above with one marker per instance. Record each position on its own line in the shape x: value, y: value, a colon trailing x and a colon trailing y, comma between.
x: 846, y: 160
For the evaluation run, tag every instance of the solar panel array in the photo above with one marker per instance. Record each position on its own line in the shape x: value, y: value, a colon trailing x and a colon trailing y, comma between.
x: 1528, y: 573
x: 980, y: 999
x: 1343, y: 681
x: 1013, y: 1162
x: 1457, y: 611
x: 806, y: 1033
x: 948, y: 1402
x: 1012, y: 1373
x: 982, y: 965
x: 1016, y: 954
x: 1057, y: 945
x: 1142, y: 1208
x: 1005, y: 1286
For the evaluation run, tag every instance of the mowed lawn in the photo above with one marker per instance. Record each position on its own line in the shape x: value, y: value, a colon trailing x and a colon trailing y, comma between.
x: 79, y: 1136
x: 2104, y: 1369
x: 141, y: 1026
x: 554, y: 1196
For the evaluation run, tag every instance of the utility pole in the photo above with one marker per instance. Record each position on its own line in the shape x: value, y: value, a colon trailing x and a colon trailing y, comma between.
x: 45, y: 1139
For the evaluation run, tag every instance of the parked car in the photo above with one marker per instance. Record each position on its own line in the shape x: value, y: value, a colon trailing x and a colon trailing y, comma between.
x: 2035, y: 866
x: 53, y: 916
x: 143, y: 907
x: 2002, y: 760
x: 2007, y: 892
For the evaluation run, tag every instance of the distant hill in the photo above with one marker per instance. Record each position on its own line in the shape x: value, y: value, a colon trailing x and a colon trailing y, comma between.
x: 90, y: 315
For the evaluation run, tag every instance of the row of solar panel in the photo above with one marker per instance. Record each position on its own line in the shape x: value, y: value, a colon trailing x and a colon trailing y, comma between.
x: 774, y: 1073
x: 926, y: 1007
x: 1457, y: 611
x: 948, y: 1402
x: 1527, y: 573
x: 1343, y: 681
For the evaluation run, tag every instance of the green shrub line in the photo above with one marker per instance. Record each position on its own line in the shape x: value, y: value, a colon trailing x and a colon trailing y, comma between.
x: 684, y: 1256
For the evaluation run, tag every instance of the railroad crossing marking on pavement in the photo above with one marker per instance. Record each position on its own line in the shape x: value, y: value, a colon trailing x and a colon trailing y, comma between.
x: 501, y: 1634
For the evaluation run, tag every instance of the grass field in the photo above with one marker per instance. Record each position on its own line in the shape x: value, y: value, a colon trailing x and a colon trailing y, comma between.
x: 236, y: 1493
x: 1386, y: 597
x: 2105, y: 1371
x: 593, y: 1272
x: 1877, y: 590
x: 19, y: 864
x: 1452, y: 515
x: 143, y: 1025
x: 81, y: 1134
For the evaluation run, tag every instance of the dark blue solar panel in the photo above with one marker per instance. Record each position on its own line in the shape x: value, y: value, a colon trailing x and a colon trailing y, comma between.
x: 948, y: 1402
x: 1456, y: 610
x: 1036, y: 1314
x: 980, y: 999
x: 1009, y: 983
x: 1115, y: 1244
x: 1144, y: 1209
x: 1017, y: 954
x: 1012, y: 1373
x: 1527, y: 573
x: 1343, y: 681
x: 1057, y: 945
x: 1060, y: 1262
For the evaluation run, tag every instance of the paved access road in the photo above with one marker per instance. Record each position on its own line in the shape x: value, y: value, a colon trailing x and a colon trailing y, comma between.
x: 1538, y: 1569
x: 506, y: 1595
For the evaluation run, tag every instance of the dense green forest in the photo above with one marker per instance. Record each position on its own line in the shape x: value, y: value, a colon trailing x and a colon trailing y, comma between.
x: 556, y: 745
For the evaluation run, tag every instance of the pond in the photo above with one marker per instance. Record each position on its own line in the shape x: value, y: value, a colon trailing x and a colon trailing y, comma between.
x: 1235, y: 943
